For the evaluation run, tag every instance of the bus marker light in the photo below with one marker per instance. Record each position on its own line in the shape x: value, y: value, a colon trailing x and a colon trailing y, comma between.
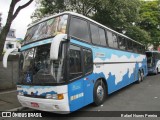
x: 85, y: 78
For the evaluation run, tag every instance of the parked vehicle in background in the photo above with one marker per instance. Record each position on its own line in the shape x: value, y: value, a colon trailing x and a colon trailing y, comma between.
x: 153, y: 61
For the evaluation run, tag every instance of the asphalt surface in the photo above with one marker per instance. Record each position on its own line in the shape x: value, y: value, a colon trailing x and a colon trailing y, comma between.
x: 135, y: 97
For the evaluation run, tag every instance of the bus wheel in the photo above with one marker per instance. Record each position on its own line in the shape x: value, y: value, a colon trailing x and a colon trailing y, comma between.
x: 142, y: 76
x: 139, y: 77
x: 156, y: 71
x: 99, y: 92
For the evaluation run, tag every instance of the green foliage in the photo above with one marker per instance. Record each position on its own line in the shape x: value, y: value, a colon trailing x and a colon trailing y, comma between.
x: 138, y: 34
x: 117, y: 14
x: 48, y: 7
x: 150, y: 20
x: 150, y: 15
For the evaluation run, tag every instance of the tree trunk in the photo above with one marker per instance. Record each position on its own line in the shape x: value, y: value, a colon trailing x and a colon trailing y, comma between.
x: 11, y: 16
x: 3, y: 37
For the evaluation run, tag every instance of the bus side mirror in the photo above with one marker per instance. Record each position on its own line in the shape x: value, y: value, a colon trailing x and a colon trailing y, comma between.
x: 5, y: 57
x: 55, y: 45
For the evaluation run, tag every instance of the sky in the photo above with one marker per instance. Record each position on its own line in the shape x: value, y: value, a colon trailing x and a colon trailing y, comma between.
x: 22, y: 20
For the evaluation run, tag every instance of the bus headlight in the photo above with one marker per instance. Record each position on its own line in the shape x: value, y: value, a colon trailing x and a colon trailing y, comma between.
x: 55, y: 96
x: 20, y: 93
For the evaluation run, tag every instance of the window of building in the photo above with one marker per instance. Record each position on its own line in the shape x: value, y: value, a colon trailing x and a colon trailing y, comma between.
x: 79, y: 29
x: 9, y: 46
x: 75, y: 65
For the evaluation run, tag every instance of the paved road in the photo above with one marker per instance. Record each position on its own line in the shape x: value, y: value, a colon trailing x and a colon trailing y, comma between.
x: 136, y: 97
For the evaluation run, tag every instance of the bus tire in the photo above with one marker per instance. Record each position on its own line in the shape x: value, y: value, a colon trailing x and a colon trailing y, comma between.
x: 156, y: 71
x: 139, y: 77
x: 99, y: 93
x: 142, y: 75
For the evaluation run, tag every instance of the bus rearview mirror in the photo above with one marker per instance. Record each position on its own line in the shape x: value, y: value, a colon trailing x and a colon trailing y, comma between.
x: 55, y: 45
x: 5, y: 57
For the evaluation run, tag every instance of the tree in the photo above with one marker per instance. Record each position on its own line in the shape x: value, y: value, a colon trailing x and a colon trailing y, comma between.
x: 11, y: 16
x: 138, y: 34
x: 150, y: 20
x: 0, y: 20
x: 49, y: 7
x: 118, y: 14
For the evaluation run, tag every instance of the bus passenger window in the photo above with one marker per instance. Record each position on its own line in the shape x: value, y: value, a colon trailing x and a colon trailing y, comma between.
x: 109, y: 35
x: 122, y: 43
x: 112, y: 40
x: 139, y: 48
x: 88, y: 61
x: 75, y: 66
x: 102, y: 37
x: 79, y: 29
x: 143, y: 49
x: 115, y: 41
x: 95, y: 34
x: 135, y: 47
x: 129, y: 45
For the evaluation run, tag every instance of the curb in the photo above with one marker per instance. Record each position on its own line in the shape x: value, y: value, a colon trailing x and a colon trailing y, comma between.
x: 18, y: 109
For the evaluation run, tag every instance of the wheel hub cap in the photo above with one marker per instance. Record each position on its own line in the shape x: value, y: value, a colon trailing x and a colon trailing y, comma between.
x: 100, y: 92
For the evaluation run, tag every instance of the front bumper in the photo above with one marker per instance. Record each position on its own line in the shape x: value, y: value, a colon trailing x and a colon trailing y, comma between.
x: 151, y: 71
x: 56, y: 106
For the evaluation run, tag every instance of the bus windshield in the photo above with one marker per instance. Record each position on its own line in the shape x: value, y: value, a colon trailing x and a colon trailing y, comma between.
x: 37, y: 68
x: 46, y: 29
x: 149, y: 59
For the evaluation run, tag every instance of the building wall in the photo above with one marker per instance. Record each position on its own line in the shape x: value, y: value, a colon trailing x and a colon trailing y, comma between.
x: 9, y: 75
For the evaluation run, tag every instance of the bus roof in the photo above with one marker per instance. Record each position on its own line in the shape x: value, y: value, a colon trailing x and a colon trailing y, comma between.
x: 154, y: 51
x: 82, y: 16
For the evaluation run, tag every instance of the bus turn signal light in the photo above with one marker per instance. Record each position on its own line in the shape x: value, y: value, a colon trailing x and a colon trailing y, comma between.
x: 60, y: 96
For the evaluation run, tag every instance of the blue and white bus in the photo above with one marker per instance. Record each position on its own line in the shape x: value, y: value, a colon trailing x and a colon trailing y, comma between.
x: 69, y: 61
x: 153, y: 61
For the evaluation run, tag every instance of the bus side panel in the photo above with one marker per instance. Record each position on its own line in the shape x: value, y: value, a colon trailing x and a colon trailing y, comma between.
x: 119, y: 68
x: 80, y: 92
x: 144, y: 67
x: 158, y: 65
x: 88, y: 88
x: 76, y: 95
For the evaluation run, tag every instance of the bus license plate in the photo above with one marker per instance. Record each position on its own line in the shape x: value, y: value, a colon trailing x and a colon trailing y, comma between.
x: 34, y: 104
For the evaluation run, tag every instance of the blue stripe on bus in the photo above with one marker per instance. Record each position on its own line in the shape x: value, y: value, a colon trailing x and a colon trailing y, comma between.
x: 109, y: 52
x: 37, y: 44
